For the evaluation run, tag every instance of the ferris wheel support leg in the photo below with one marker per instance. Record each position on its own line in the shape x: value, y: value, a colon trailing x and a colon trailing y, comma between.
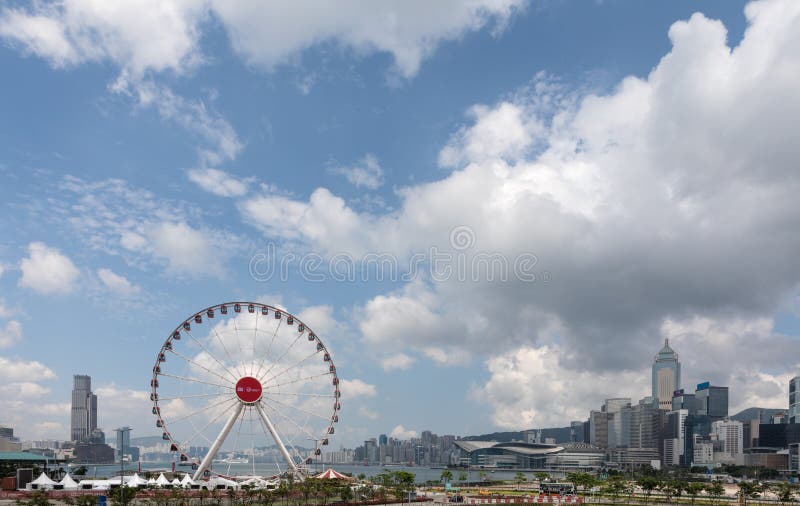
x: 274, y: 433
x: 212, y: 452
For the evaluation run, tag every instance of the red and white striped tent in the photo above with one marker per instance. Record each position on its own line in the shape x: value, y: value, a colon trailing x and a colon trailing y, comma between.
x: 330, y: 474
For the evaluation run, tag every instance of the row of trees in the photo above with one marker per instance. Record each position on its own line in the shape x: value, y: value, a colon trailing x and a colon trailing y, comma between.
x: 617, y: 486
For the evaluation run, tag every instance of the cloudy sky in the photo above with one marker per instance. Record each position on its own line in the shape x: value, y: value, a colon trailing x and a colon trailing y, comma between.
x: 492, y: 211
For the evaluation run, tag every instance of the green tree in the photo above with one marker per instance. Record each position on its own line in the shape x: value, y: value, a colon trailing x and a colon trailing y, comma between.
x: 520, y: 478
x: 345, y: 492
x: 693, y: 488
x: 647, y: 484
x: 749, y: 490
x: 462, y: 477
x: 446, y: 476
x: 403, y: 483
x: 715, y: 490
x: 81, y: 471
x: 541, y: 476
x: 616, y: 486
x: 785, y: 492
x: 121, y: 495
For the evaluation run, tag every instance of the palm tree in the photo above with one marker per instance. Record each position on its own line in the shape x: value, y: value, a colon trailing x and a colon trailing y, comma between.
x: 520, y: 479
x: 462, y: 477
x: 446, y: 476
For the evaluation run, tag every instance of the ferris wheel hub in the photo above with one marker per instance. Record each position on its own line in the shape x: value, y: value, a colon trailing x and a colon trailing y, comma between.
x: 249, y: 390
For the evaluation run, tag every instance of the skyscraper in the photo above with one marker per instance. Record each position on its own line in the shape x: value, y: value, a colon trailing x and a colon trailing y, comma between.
x: 794, y: 400
x: 712, y: 401
x: 666, y: 377
x: 84, y: 409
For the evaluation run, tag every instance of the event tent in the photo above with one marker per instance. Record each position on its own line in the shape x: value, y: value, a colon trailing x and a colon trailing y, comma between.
x: 43, y: 482
x: 67, y: 483
x: 331, y: 474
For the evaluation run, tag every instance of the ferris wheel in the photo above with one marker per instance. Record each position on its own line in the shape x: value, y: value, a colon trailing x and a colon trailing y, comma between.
x: 247, y: 381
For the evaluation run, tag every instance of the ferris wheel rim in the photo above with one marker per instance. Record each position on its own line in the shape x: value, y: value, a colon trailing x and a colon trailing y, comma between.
x: 234, y: 399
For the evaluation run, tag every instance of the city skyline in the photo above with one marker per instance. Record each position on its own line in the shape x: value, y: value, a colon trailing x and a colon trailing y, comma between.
x: 493, y: 213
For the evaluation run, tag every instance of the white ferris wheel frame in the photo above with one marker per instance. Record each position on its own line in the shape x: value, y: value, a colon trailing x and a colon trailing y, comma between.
x: 239, y: 403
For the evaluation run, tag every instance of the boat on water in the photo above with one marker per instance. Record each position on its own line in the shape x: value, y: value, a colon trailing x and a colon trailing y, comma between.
x: 233, y: 460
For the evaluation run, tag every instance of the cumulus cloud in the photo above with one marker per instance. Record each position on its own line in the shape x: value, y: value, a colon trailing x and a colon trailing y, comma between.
x: 319, y: 318
x: 669, y: 197
x: 16, y: 371
x: 47, y: 271
x: 397, y: 362
x: 367, y: 173
x: 400, y: 432
x: 357, y: 388
x: 157, y: 36
x: 218, y: 182
x: 186, y: 250
x: 116, y: 283
x: 139, y: 37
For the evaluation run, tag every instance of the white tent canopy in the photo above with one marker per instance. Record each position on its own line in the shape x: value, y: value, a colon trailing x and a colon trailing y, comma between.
x: 136, y: 481
x: 68, y: 483
x: 42, y: 482
x: 162, y: 480
x: 176, y: 482
x: 218, y: 480
x: 187, y: 481
x: 151, y: 481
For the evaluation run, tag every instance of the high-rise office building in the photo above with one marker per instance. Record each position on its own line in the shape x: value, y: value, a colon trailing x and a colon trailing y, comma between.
x: 794, y: 400
x: 730, y: 434
x: 84, y: 409
x: 682, y: 400
x: 123, y: 442
x: 678, y: 449
x: 712, y: 401
x: 644, y: 425
x: 666, y: 376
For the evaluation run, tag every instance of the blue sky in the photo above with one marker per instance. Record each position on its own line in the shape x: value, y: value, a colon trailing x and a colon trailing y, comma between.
x: 639, y: 151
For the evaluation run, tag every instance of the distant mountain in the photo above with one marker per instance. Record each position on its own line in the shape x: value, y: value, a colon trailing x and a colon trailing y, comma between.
x: 753, y: 413
x: 560, y: 434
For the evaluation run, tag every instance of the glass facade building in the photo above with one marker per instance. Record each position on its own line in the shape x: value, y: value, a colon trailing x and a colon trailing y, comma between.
x: 84, y: 409
x: 666, y: 377
x: 794, y: 400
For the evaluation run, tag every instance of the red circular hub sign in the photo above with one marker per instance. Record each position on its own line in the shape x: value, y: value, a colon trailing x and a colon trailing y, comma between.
x: 248, y: 389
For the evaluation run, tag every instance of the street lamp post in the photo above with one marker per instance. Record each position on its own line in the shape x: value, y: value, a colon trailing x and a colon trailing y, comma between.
x: 121, y: 443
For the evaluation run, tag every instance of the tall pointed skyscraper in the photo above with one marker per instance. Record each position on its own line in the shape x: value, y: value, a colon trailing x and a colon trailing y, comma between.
x: 666, y: 376
x: 84, y: 409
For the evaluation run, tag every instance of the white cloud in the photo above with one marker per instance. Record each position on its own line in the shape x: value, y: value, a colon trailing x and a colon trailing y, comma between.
x: 629, y: 203
x: 23, y: 389
x: 5, y: 311
x: 319, y: 318
x: 46, y: 270
x: 367, y: 173
x: 16, y: 371
x: 268, y: 34
x: 531, y: 387
x: 357, y: 388
x: 397, y: 362
x: 137, y: 36
x: 400, y: 432
x: 117, y: 405
x: 218, y: 182
x: 185, y: 249
x: 119, y: 219
x: 222, y: 142
x: 158, y: 36
x: 11, y: 334
x: 116, y: 283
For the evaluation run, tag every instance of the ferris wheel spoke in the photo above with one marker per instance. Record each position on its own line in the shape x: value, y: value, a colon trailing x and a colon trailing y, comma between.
x: 286, y: 352
x: 194, y: 380
x: 239, y: 343
x: 235, y: 378
x: 301, y: 394
x: 218, y: 442
x: 201, y: 432
x: 197, y: 412
x: 274, y: 433
x: 269, y: 348
x: 227, y: 353
x: 302, y: 379
x: 255, y: 334
x: 290, y: 367
x: 192, y: 396
x: 302, y: 429
x: 276, y: 401
x: 201, y: 366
